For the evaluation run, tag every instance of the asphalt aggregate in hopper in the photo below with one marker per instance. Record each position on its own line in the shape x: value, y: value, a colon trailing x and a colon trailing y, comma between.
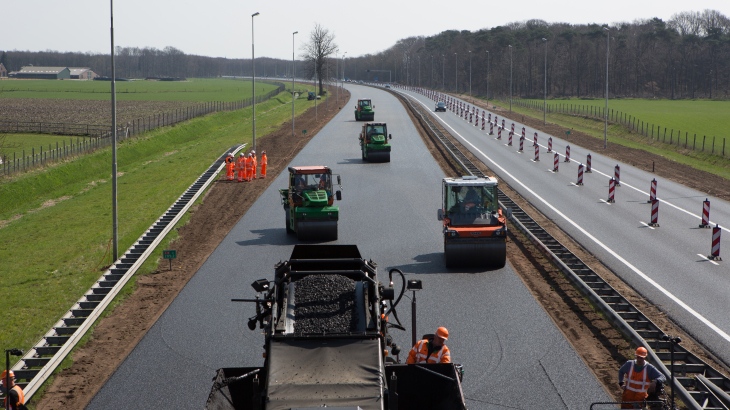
x: 324, y: 304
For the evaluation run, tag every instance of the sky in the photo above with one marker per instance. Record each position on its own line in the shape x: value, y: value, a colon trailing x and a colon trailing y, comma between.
x: 223, y: 28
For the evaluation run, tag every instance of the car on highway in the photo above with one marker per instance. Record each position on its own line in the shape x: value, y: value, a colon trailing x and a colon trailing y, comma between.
x: 387, y: 85
x: 440, y: 106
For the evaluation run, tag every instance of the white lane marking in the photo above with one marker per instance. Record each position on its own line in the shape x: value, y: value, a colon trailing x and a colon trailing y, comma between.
x: 596, y: 240
x: 605, y: 202
x: 708, y: 260
x: 647, y: 225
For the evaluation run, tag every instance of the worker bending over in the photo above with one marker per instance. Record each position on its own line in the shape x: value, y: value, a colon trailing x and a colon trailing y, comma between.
x: 640, y: 378
x: 431, y: 351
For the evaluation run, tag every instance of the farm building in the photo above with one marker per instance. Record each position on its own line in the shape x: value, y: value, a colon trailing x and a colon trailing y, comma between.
x: 48, y: 73
x: 3, y: 71
x: 82, y: 73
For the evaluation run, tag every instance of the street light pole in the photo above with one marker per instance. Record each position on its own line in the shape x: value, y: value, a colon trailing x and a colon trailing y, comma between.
x: 605, y: 126
x: 253, y: 81
x: 443, y: 72
x: 487, y: 79
x: 544, y: 97
x: 293, y: 93
x: 469, y: 75
x: 430, y: 82
x: 510, y: 78
x: 456, y: 73
x: 115, y: 216
x: 419, y: 71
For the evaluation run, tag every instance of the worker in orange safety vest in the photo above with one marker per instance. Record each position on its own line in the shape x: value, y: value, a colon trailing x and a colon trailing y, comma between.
x: 253, y: 156
x: 241, y: 166
x: 230, y: 167
x: 264, y: 163
x: 15, y: 393
x: 431, y: 350
x: 638, y: 378
x: 249, y: 167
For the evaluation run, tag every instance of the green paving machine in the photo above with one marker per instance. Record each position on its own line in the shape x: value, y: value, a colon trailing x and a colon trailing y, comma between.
x: 374, y: 142
x: 364, y: 110
x: 308, y: 203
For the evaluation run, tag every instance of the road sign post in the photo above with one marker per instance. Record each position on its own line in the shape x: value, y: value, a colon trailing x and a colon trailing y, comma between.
x: 169, y: 254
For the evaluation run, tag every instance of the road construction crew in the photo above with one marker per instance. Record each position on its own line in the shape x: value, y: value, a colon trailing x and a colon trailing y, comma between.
x: 431, y: 350
x: 255, y: 163
x: 15, y: 393
x: 241, y: 166
x: 641, y: 378
x: 264, y: 162
x: 230, y: 166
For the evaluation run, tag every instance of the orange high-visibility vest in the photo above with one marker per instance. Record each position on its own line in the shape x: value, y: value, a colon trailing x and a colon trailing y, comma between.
x: 264, y: 163
x: 419, y: 354
x: 254, y: 166
x: 637, y: 386
x: 21, y: 397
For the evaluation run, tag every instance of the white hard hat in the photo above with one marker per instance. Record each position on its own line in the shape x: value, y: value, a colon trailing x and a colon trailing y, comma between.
x: 240, y: 155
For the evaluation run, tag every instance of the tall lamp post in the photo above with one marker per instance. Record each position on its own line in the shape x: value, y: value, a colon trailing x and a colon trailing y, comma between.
x: 293, y: 93
x: 487, y: 79
x: 430, y: 83
x: 469, y: 75
x: 456, y: 73
x: 115, y: 220
x: 510, y: 78
x: 605, y: 126
x: 443, y: 72
x: 419, y: 72
x: 253, y: 81
x: 544, y: 96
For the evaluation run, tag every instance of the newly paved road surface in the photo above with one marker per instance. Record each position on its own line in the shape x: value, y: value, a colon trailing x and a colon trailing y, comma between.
x: 667, y: 264
x: 514, y: 356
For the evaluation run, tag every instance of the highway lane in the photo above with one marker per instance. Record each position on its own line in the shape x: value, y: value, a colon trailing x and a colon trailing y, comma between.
x: 665, y: 263
x: 514, y: 356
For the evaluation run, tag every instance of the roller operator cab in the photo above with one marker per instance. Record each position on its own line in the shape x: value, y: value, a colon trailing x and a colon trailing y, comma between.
x: 327, y: 337
x: 375, y: 142
x: 474, y: 229
x: 309, y: 203
x: 364, y: 110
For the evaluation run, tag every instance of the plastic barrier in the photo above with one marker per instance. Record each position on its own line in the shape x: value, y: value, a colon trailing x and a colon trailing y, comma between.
x: 567, y: 153
x: 652, y: 191
x: 580, y: 175
x: 705, y: 214
x: 654, y: 213
x: 715, y: 256
x: 611, y: 190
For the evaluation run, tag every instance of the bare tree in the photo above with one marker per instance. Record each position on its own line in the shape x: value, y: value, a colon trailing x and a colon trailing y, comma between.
x: 321, y: 45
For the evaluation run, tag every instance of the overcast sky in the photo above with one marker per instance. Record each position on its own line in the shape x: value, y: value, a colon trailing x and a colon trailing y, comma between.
x: 222, y: 28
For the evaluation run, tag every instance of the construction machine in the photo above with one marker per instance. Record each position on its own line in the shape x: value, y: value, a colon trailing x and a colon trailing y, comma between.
x: 325, y: 321
x: 475, y: 231
x: 308, y: 203
x: 374, y: 142
x: 311, y: 95
x: 364, y: 110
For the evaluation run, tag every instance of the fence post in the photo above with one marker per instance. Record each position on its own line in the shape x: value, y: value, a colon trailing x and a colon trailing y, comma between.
x: 703, y: 142
x: 713, y: 144
x: 671, y: 137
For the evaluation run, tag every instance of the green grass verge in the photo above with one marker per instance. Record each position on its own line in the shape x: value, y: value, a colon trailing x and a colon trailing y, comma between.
x: 619, y: 134
x: 195, y: 89
x: 52, y: 254
x: 17, y: 143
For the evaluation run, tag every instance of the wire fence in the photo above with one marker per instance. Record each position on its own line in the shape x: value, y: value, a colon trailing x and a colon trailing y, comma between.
x: 653, y: 131
x: 92, y: 137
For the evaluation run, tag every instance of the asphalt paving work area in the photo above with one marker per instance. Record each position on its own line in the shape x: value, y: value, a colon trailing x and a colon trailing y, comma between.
x: 513, y: 353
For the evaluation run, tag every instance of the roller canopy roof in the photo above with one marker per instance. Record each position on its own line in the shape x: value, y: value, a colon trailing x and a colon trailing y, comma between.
x: 470, y: 181
x: 315, y: 169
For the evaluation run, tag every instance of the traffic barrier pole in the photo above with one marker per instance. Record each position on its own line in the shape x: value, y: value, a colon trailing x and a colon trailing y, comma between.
x: 499, y: 134
x: 580, y: 175
x: 654, y: 213
x: 617, y: 175
x: 537, y: 153
x: 705, y: 214
x: 482, y: 121
x: 513, y: 127
x: 522, y: 141
x: 471, y: 117
x: 489, y: 118
x: 715, y: 256
x: 550, y: 144
x: 510, y: 138
x: 555, y: 162
x: 588, y: 164
x: 567, y: 153
x: 523, y: 131
x: 491, y: 129
x: 611, y: 190
x: 502, y: 122
x: 652, y: 191
x: 534, y: 142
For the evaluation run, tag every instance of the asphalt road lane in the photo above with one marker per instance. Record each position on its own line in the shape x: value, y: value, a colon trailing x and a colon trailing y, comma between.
x: 513, y: 354
x: 664, y: 264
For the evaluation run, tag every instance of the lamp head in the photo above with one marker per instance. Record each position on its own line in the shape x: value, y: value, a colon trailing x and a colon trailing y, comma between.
x: 255, y: 14
x: 414, y: 284
x: 296, y: 32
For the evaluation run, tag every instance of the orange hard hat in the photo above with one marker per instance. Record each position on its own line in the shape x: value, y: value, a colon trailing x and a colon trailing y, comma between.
x: 5, y: 372
x: 442, y: 333
x: 641, y: 352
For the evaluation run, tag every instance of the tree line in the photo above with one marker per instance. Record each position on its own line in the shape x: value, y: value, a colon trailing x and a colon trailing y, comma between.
x: 685, y: 57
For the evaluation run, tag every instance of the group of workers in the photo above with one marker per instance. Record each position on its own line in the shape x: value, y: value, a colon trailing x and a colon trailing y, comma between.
x: 245, y: 166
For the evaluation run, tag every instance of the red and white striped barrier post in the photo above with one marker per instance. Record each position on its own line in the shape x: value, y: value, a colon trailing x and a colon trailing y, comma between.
x: 491, y: 129
x: 499, y: 134
x: 510, y: 139
x: 482, y: 122
x: 534, y: 141
x: 705, y: 214
x: 611, y: 190
x: 550, y: 144
x: 513, y: 127
x: 588, y: 164
x: 471, y: 117
x: 537, y: 153
x: 617, y: 174
x: 580, y: 175
x: 567, y: 153
x: 502, y: 122
x: 522, y: 142
x: 652, y: 191
x: 489, y: 118
x: 654, y: 213
x: 715, y: 255
x: 555, y: 163
x: 523, y: 131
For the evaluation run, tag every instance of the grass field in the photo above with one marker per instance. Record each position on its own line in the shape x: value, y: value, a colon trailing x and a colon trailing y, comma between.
x: 16, y: 143
x: 701, y: 117
x: 195, y: 89
x: 55, y: 222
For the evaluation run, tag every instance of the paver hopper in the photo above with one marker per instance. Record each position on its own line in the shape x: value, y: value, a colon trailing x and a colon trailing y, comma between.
x: 364, y: 110
x: 374, y: 142
x: 475, y: 231
x: 308, y: 203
